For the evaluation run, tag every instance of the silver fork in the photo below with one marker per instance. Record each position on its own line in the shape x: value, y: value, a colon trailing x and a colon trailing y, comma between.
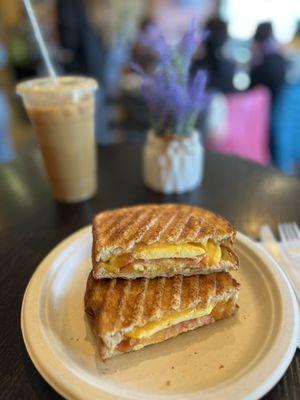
x: 286, y: 263
x: 290, y: 237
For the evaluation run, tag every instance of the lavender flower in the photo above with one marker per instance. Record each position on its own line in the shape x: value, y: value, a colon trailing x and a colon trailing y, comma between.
x: 173, y: 101
x: 189, y: 44
x: 197, y: 90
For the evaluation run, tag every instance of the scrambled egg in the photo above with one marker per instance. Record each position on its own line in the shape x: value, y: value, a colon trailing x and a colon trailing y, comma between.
x: 172, y: 319
x: 168, y: 251
x: 212, y: 250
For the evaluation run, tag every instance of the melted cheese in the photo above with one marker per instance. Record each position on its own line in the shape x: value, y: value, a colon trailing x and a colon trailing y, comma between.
x: 168, y: 251
x: 116, y: 262
x: 172, y: 319
x: 212, y: 250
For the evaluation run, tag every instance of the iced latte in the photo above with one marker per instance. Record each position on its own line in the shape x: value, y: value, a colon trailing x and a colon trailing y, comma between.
x: 62, y: 114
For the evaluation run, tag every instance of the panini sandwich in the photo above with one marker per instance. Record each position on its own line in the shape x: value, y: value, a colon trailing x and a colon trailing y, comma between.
x: 161, y: 240
x: 128, y: 315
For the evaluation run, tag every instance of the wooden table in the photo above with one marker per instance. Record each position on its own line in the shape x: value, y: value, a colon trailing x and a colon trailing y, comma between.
x: 31, y: 224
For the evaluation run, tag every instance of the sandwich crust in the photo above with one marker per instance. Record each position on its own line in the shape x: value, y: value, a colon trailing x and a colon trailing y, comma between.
x: 116, y: 306
x: 119, y: 231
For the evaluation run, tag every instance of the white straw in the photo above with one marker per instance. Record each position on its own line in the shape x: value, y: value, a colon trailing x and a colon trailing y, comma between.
x: 39, y: 38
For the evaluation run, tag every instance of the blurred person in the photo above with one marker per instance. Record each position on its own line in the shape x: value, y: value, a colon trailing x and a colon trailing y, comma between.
x: 292, y: 53
x: 84, y: 47
x: 220, y: 69
x: 22, y: 51
x: 6, y: 147
x: 268, y: 68
x: 95, y: 36
x: 286, y: 117
x: 286, y: 129
x: 86, y: 54
x: 268, y: 64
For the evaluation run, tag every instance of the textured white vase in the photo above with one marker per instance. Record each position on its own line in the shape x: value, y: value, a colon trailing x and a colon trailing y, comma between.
x: 173, y: 164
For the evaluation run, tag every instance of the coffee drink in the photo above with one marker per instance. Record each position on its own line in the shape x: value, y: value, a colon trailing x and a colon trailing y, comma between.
x: 62, y: 114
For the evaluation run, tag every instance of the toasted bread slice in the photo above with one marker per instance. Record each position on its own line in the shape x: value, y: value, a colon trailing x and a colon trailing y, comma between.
x: 127, y: 315
x: 161, y: 240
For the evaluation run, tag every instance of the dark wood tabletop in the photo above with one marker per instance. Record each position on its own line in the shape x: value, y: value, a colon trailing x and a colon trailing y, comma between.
x: 32, y: 223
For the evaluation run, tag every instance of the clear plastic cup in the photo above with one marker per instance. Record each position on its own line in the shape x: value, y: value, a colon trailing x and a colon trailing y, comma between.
x: 62, y: 114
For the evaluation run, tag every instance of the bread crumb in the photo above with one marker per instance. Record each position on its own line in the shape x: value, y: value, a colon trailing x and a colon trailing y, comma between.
x: 221, y: 366
x: 168, y: 383
x: 173, y: 367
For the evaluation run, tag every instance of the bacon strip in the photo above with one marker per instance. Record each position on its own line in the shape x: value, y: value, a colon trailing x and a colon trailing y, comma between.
x: 130, y: 266
x: 128, y: 344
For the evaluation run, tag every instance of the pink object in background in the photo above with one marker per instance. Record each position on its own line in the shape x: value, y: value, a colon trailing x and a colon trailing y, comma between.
x: 174, y: 17
x: 247, y: 126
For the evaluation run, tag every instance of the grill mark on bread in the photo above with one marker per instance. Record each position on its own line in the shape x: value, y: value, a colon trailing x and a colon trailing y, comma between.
x: 198, y: 231
x: 194, y: 290
x: 144, y: 228
x: 167, y: 295
x: 138, y: 310
x: 103, y: 223
x: 220, y: 284
x: 159, y: 227
x: 121, y: 226
x: 135, y: 224
x: 101, y: 231
x: 121, y: 312
x: 176, y: 226
x: 104, y: 293
x: 177, y: 290
x: 208, y: 287
x: 150, y: 299
x: 106, y: 221
x: 165, y: 225
x: 157, y: 301
x: 186, y: 296
x: 187, y: 227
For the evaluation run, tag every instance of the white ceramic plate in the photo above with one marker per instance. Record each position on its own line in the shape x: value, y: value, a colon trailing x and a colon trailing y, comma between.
x: 241, y: 357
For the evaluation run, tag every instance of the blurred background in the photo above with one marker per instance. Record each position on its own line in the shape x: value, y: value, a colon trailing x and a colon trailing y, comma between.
x: 252, y: 56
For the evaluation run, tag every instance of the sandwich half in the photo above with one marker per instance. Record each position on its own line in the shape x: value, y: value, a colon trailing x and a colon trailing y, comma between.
x: 127, y: 315
x: 161, y: 240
